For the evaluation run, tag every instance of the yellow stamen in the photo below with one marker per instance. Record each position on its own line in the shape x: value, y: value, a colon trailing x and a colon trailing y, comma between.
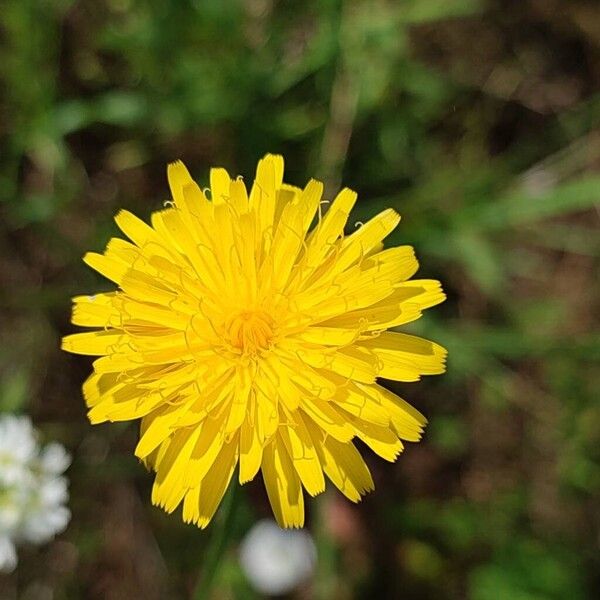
x: 251, y: 331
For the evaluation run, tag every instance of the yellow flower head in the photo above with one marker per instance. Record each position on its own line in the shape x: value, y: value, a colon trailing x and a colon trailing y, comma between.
x: 241, y: 337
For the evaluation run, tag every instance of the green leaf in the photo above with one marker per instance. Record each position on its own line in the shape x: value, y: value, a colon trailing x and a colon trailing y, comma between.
x: 525, y: 207
x: 120, y: 108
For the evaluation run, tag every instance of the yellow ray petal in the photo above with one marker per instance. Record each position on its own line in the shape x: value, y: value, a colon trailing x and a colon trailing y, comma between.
x: 407, y: 421
x: 343, y: 465
x: 424, y: 292
x: 267, y: 414
x: 169, y: 486
x: 135, y: 229
x: 406, y: 357
x: 346, y: 469
x: 188, y: 197
x: 109, y: 267
x: 279, y: 378
x: 159, y: 429
x: 309, y: 202
x: 201, y: 503
x: 146, y: 288
x: 219, y: 186
x: 96, y: 343
x: 206, y: 449
x: 329, y: 229
x: 303, y: 453
x: 96, y: 385
x: 238, y: 196
x: 369, y: 235
x: 178, y: 177
x: 286, y: 245
x: 263, y: 195
x: 238, y: 408
x: 155, y: 315
x: 382, y: 440
x: 360, y: 243
x: 95, y: 311
x: 139, y: 404
x: 377, y: 317
x: 287, y: 194
x: 251, y: 447
x: 326, y: 417
x: 358, y: 403
x: 218, y: 386
x: 309, y: 380
x: 328, y: 336
x: 202, y: 257
x: 283, y: 485
x: 360, y: 289
x: 350, y: 362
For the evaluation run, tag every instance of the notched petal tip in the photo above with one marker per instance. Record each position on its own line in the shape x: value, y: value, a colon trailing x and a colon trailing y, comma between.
x: 178, y: 176
x: 177, y: 167
x: 276, y: 159
x: 95, y: 417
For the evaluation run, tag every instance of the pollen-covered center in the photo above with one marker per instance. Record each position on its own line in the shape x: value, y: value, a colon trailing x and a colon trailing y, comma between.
x: 251, y: 331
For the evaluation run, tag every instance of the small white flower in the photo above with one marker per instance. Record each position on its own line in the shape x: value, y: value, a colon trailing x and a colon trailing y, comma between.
x: 277, y: 560
x: 32, y: 490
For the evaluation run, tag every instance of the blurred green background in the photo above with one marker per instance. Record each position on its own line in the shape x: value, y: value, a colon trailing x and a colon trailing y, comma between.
x: 478, y: 120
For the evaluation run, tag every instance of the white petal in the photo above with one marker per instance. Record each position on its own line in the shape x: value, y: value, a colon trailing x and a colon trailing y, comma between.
x: 55, y: 459
x: 53, y: 491
x: 8, y: 555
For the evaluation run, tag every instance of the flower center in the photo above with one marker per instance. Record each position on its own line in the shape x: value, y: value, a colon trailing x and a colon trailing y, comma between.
x: 251, y: 331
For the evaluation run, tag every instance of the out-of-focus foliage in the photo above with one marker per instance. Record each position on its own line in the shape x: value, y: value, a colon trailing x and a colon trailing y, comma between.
x: 476, y: 119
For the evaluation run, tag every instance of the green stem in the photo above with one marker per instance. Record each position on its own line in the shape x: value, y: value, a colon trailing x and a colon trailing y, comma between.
x: 217, y: 546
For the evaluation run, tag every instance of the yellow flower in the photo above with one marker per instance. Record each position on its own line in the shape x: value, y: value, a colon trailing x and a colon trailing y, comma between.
x: 241, y: 338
